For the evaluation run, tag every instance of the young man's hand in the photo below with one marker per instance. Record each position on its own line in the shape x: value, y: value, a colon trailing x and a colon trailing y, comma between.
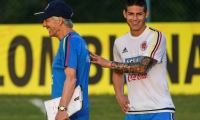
x: 123, y: 102
x: 96, y: 59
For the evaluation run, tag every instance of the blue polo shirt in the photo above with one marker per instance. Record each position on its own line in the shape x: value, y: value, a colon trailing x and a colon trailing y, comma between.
x: 73, y: 53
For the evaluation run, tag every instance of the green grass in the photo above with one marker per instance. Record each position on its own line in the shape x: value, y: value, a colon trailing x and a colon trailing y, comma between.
x: 103, y: 107
x: 187, y: 107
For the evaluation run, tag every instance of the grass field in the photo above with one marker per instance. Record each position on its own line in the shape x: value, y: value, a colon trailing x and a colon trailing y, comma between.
x: 103, y: 107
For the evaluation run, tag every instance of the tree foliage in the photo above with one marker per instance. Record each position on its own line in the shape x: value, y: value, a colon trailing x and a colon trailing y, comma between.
x: 22, y: 11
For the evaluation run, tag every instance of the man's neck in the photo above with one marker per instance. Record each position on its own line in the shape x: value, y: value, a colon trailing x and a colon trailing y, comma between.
x: 63, y: 32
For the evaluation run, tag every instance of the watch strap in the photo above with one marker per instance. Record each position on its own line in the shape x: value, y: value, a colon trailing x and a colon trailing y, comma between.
x: 62, y: 108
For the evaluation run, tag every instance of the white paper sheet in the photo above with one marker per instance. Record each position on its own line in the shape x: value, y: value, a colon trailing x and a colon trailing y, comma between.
x: 74, y: 106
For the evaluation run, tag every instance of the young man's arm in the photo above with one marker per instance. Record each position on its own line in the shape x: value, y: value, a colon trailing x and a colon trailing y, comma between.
x: 118, y: 83
x: 135, y: 67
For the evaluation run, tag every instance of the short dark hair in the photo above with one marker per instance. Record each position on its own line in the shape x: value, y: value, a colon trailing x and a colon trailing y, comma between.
x: 141, y: 3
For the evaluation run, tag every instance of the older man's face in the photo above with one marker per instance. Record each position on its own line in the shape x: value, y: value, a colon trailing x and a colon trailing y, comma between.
x: 52, y: 26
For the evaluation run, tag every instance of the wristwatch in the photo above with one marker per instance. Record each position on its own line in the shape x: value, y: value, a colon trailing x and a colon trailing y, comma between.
x: 62, y: 108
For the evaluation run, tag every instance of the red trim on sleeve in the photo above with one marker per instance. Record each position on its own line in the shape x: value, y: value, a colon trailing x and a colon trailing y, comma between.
x: 159, y: 41
x: 68, y: 50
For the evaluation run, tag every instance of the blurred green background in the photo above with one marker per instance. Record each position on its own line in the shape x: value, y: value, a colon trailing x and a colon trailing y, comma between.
x: 87, y: 11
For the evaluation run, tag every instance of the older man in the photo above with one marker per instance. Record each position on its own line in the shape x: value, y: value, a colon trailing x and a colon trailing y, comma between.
x: 71, y: 64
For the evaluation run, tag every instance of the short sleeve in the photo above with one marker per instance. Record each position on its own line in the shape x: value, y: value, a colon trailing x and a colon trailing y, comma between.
x: 116, y: 54
x: 70, y: 56
x: 156, y: 46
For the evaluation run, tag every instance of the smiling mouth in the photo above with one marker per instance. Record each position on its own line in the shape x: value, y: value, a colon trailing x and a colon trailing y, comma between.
x: 48, y: 29
x: 134, y: 23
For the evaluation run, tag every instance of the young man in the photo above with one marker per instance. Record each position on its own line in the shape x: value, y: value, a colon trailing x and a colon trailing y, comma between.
x: 141, y: 55
x: 71, y: 64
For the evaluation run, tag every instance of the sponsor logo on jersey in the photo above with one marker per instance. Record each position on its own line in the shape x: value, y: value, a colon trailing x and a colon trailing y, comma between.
x: 133, y: 59
x: 135, y: 76
x: 143, y: 45
x: 125, y: 50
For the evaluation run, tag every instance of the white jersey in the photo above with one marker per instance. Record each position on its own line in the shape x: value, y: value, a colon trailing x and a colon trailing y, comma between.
x: 147, y: 93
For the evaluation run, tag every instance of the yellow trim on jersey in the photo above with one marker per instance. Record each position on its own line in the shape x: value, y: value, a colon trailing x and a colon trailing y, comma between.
x: 154, y: 43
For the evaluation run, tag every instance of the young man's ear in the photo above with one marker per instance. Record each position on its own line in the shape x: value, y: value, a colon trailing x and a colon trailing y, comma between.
x: 147, y: 14
x: 124, y: 13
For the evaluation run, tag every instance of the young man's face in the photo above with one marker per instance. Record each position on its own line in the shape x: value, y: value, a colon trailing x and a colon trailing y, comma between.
x: 52, y: 26
x: 135, y: 17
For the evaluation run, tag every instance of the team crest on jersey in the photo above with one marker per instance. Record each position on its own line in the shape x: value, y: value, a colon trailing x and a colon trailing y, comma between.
x: 143, y: 46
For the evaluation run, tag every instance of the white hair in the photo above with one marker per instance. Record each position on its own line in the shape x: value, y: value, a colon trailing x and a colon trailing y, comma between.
x: 67, y: 22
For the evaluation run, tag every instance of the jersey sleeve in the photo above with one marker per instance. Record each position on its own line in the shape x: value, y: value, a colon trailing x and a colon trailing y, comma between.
x: 156, y: 46
x: 70, y: 53
x: 116, y: 54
